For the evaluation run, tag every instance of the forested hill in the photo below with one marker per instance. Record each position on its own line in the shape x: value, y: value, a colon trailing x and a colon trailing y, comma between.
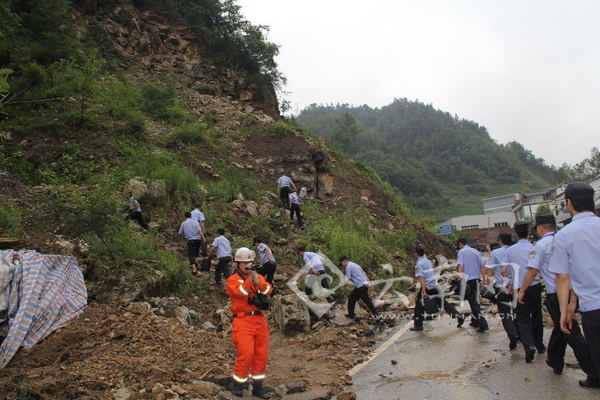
x: 441, y: 163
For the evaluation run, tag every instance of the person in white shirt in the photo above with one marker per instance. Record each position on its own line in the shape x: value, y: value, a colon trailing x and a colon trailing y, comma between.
x: 222, y: 247
x: 284, y: 186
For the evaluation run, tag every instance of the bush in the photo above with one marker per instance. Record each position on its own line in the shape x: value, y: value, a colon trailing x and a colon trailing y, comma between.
x: 230, y: 184
x: 345, y: 234
x: 10, y: 218
x: 191, y: 134
x: 161, y: 104
x: 280, y: 128
x: 118, y: 103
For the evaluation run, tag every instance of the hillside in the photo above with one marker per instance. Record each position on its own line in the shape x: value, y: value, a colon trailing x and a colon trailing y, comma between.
x: 175, y: 101
x: 442, y: 164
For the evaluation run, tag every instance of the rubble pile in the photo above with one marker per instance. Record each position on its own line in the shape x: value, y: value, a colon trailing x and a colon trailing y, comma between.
x: 134, y: 351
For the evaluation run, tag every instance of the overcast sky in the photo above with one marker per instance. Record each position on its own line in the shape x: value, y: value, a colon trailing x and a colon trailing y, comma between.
x: 527, y: 70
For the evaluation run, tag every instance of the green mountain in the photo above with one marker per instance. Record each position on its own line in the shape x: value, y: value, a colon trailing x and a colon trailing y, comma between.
x: 442, y: 164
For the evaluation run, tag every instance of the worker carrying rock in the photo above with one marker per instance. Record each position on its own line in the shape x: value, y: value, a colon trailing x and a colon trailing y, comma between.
x: 248, y: 292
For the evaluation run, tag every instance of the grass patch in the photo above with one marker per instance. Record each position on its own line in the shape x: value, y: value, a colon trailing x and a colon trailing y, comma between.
x: 194, y: 133
x: 161, y: 104
x: 10, y: 218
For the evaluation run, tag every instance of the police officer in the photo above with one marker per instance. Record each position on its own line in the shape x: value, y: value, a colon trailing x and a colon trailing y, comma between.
x: 496, y: 265
x: 284, y: 184
x: 429, y: 287
x: 471, y: 264
x: 314, y: 262
x: 267, y: 259
x: 356, y: 275
x: 545, y: 226
x: 575, y: 259
x: 222, y: 246
x: 529, y: 311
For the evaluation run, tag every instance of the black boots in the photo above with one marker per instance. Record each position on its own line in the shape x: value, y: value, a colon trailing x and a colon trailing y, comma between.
x: 259, y: 390
x: 237, y: 389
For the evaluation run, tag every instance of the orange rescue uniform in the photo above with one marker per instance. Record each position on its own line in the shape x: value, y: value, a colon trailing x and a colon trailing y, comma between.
x: 250, y: 333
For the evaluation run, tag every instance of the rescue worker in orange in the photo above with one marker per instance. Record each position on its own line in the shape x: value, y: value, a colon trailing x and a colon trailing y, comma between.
x: 250, y: 329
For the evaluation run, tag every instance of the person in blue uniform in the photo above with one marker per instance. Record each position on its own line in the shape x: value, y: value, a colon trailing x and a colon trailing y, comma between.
x: 295, y: 208
x: 284, y: 186
x: 356, y: 275
x: 222, y: 247
x: 314, y: 262
x: 267, y: 259
x: 497, y: 266
x: 545, y: 226
x: 471, y: 264
x: 575, y: 259
x: 529, y: 309
x: 429, y: 287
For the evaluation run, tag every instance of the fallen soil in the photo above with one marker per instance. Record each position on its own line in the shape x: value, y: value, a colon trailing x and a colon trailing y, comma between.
x: 111, y: 347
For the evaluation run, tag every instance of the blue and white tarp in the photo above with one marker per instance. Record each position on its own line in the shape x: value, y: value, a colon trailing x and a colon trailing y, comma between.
x: 38, y: 294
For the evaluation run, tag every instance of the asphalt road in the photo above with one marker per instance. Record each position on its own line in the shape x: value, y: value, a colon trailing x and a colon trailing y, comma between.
x: 446, y: 363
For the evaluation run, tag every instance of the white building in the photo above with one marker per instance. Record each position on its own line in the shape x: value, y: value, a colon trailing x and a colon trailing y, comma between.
x: 559, y: 208
x: 470, y: 222
x: 499, y: 204
x: 527, y: 203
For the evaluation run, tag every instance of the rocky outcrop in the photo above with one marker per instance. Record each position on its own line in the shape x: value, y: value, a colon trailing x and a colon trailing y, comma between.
x: 290, y: 314
x: 147, y: 39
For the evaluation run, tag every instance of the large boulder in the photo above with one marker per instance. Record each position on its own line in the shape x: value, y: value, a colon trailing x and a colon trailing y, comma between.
x: 325, y: 184
x: 290, y: 314
x: 154, y: 188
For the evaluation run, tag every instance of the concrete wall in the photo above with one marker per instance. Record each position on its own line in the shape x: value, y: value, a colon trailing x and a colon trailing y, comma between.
x: 498, y: 204
x: 470, y: 222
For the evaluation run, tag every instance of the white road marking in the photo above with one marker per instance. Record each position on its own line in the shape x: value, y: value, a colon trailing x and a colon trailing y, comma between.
x: 380, y: 349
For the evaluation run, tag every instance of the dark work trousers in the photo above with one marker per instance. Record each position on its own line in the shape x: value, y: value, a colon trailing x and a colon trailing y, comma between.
x: 139, y: 218
x: 504, y: 303
x: 203, y: 248
x: 529, y: 318
x: 295, y: 208
x: 433, y: 292
x: 222, y: 268
x: 559, y: 340
x: 472, y: 296
x: 193, y: 251
x: 284, y: 196
x: 268, y: 271
x: 363, y: 294
x: 591, y: 329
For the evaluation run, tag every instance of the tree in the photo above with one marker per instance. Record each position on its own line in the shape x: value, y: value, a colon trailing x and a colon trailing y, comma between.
x: 543, y: 209
x: 345, y: 134
x: 585, y: 170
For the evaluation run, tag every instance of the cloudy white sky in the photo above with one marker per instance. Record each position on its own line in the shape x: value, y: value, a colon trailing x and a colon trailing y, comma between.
x: 527, y: 70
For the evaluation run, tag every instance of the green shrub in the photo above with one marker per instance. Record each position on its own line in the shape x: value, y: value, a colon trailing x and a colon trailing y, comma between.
x: 179, y: 179
x: 280, y: 128
x: 75, y: 165
x: 161, y: 103
x: 343, y: 234
x: 10, y: 218
x: 118, y: 104
x: 230, y: 184
x: 191, y: 134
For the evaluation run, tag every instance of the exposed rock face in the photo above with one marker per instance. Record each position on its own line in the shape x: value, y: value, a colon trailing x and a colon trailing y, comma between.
x: 146, y: 37
x: 290, y: 314
x: 156, y: 188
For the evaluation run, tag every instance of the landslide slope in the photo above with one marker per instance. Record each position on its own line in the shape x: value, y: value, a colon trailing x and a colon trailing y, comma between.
x: 101, y: 100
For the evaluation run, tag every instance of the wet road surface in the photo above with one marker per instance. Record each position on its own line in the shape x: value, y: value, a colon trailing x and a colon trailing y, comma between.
x: 446, y: 363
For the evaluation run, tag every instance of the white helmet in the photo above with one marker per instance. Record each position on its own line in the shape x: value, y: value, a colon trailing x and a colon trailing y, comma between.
x: 244, y: 254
